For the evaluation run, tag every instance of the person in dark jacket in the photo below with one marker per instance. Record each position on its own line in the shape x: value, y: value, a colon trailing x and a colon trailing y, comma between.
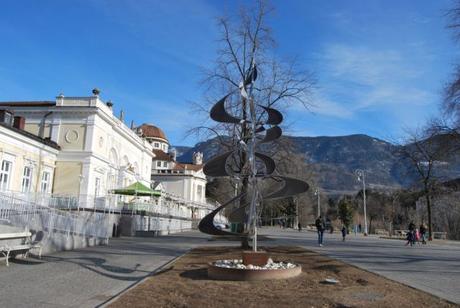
x: 411, y: 234
x: 320, y: 227
x: 344, y: 233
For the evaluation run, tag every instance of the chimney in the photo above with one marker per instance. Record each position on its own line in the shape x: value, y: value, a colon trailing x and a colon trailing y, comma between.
x: 19, y: 122
x: 6, y: 117
x: 122, y: 115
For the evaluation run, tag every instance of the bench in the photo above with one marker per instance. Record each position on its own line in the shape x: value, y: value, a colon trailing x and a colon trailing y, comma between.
x: 382, y: 232
x: 400, y: 233
x: 440, y: 235
x: 12, y: 250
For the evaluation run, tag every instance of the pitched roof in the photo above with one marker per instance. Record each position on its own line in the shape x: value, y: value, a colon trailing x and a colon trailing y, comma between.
x: 151, y: 131
x: 45, y: 141
x: 181, y: 166
x: 160, y: 155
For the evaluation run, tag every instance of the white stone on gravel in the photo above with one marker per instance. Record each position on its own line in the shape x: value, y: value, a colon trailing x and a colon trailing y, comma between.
x: 238, y: 264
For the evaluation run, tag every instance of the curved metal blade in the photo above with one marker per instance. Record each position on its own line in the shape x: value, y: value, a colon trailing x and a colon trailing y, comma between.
x: 206, y: 224
x: 271, y: 134
x: 216, y: 166
x: 269, y: 163
x: 290, y: 188
x: 219, y: 114
x: 274, y: 116
x: 260, y: 129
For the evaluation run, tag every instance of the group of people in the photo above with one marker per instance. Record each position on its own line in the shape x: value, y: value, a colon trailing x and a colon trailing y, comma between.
x: 416, y: 235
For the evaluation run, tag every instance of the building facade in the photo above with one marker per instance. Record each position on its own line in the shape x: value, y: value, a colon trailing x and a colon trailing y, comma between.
x: 98, y: 152
x: 27, y: 162
x: 183, y: 180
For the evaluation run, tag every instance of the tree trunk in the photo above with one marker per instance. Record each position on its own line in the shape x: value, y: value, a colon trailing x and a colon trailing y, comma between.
x: 245, y: 181
x: 428, y: 207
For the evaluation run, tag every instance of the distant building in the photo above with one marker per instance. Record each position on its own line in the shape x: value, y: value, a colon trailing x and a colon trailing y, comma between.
x: 184, y: 180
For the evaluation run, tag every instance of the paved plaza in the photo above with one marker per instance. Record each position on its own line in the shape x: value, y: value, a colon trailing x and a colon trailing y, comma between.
x: 91, y: 276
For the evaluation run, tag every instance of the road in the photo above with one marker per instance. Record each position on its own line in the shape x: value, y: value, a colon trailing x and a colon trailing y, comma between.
x: 433, y: 268
x: 88, y: 277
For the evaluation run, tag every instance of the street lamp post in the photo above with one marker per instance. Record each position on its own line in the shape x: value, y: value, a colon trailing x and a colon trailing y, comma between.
x: 319, y: 207
x: 362, y: 178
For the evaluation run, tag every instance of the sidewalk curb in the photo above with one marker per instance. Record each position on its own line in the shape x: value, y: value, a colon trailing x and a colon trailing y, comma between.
x: 160, y: 269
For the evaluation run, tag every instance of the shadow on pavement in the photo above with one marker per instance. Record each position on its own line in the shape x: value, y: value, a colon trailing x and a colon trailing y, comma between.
x: 97, y: 265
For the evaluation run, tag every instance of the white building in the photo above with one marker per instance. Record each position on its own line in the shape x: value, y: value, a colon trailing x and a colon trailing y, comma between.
x: 98, y: 152
x: 75, y: 150
x: 27, y: 162
x: 184, y: 180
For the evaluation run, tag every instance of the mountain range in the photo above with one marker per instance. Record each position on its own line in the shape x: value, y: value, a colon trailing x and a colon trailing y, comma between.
x: 335, y: 159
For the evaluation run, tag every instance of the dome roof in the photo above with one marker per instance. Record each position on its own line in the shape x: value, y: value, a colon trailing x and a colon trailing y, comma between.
x: 151, y: 131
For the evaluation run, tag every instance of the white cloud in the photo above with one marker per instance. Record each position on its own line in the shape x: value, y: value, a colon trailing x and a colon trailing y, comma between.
x: 323, y: 106
x: 366, y: 78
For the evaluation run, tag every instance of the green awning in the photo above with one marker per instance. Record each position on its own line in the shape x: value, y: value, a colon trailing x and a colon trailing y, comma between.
x: 136, y: 189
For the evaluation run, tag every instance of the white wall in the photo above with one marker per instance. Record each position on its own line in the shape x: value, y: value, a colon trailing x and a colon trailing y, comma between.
x: 89, y: 133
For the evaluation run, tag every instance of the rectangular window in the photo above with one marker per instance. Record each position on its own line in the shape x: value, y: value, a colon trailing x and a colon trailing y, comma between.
x: 165, y: 164
x: 156, y: 145
x: 97, y: 187
x: 158, y: 163
x: 26, y: 179
x: 199, y: 191
x: 44, y: 187
x: 5, y: 173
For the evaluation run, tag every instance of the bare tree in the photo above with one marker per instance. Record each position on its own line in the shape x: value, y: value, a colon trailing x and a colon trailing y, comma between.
x: 451, y: 102
x: 427, y: 151
x: 246, y: 42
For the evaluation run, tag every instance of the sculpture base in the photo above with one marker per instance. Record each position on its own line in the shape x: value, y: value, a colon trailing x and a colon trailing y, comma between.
x: 258, y: 258
x: 222, y: 273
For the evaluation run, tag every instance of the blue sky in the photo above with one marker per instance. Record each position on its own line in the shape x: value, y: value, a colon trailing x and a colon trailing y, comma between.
x: 380, y: 65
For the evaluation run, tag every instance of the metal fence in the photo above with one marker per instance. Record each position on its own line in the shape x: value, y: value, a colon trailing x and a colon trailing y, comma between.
x: 87, y: 215
x: 28, y: 214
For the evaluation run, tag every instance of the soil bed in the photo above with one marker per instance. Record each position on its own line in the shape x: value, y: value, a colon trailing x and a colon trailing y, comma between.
x: 186, y: 284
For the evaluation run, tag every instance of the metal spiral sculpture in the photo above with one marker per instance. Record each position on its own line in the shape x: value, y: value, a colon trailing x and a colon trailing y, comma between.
x: 245, y: 163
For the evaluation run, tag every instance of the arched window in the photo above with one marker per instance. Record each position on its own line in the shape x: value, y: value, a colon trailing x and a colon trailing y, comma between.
x: 125, y: 162
x: 113, y: 158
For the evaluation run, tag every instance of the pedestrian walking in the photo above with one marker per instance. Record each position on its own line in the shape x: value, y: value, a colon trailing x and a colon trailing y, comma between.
x: 411, y: 234
x: 300, y: 227
x: 422, y: 231
x: 359, y: 228
x: 344, y: 233
x: 417, y: 236
x: 320, y: 227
